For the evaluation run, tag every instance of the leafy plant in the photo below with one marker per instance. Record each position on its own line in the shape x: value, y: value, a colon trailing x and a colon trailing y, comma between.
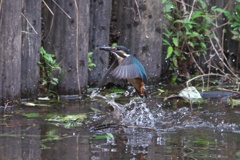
x: 234, y: 19
x: 185, y: 35
x: 48, y: 65
x: 90, y: 62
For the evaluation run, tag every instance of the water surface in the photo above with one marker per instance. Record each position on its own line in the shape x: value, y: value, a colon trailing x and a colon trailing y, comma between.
x: 121, y: 128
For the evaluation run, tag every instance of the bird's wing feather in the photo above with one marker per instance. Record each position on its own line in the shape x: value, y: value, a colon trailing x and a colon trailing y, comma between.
x: 106, y: 77
x: 129, y: 68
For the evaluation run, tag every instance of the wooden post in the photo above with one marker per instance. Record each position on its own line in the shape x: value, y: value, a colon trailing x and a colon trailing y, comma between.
x: 10, y: 50
x: 31, y: 41
x: 67, y: 36
x: 99, y: 35
x: 139, y: 24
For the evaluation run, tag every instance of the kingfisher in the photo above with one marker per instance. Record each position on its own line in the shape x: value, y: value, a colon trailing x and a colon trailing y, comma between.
x: 126, y: 66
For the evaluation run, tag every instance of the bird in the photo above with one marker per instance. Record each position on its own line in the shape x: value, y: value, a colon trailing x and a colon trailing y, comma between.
x: 126, y: 66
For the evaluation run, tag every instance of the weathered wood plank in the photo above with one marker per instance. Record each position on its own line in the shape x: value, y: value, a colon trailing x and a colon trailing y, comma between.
x: 31, y: 41
x: 10, y: 50
x: 68, y: 39
x: 100, y: 18
x: 139, y: 23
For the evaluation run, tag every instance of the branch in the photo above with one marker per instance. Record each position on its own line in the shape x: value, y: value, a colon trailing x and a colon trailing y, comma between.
x: 199, y: 68
x: 62, y: 9
x: 204, y: 75
x: 29, y: 23
x: 48, y: 7
x: 191, y: 10
x: 140, y: 19
x: 230, y: 70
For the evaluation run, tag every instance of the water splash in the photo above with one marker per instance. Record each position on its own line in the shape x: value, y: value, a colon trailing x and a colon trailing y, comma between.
x: 134, y: 113
x: 138, y: 115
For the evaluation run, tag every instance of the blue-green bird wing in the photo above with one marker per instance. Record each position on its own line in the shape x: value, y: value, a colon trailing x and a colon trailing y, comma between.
x: 130, y: 68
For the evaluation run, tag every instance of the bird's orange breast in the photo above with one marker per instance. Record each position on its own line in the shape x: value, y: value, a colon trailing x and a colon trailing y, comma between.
x: 139, y: 85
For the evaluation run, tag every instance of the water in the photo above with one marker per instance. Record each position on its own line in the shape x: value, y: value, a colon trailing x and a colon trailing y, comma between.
x: 120, y: 127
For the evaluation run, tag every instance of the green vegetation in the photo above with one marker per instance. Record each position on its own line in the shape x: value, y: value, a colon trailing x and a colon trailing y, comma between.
x: 48, y: 65
x: 191, y: 32
x: 234, y: 20
x: 186, y: 34
x: 102, y: 136
x: 90, y: 62
x: 31, y: 115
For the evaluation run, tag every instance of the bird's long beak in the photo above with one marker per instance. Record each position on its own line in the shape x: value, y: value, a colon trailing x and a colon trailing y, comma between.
x: 107, y: 48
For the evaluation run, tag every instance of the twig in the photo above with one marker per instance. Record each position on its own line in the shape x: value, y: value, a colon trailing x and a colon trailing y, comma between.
x: 222, y: 25
x: 76, y: 45
x: 140, y: 19
x: 230, y: 70
x: 223, y: 9
x: 199, y: 68
x: 186, y: 4
x: 114, y: 125
x: 141, y: 127
x: 172, y: 96
x: 62, y: 9
x: 29, y: 23
x: 0, y: 5
x: 224, y: 89
x: 204, y: 75
x: 191, y: 10
x: 184, y: 7
x: 223, y: 41
x: 134, y: 13
x: 51, y: 20
x: 48, y: 7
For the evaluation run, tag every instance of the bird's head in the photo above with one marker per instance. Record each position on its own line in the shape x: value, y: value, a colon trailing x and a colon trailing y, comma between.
x: 120, y: 51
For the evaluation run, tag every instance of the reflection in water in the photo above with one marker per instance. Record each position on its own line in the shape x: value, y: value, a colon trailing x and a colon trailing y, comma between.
x: 179, y: 133
x: 143, y: 129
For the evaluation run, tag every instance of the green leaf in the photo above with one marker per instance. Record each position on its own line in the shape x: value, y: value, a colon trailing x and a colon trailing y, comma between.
x: 92, y: 65
x: 174, y: 79
x: 165, y: 42
x: 203, y: 45
x: 184, y: 21
x: 168, y: 8
x: 169, y: 17
x: 167, y: 34
x: 233, y: 102
x: 116, y: 90
x: 90, y: 54
x: 164, y: 1
x: 66, y: 118
x: 90, y: 62
x: 196, y: 14
x: 191, y: 44
x: 192, y: 34
x: 104, y: 136
x: 175, y: 41
x: 161, y: 90
x: 176, y: 52
x: 214, y: 8
x: 54, y: 81
x: 203, y: 4
x: 174, y: 59
x: 169, y: 51
x: 114, y: 44
x: 31, y: 115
